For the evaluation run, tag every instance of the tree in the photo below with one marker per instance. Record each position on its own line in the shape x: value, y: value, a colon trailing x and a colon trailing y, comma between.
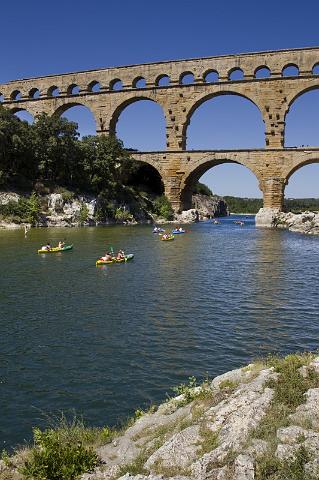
x: 16, y: 158
x: 104, y: 162
x: 56, y: 148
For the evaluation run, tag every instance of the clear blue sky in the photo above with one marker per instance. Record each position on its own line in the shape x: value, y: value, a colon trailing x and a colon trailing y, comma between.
x: 39, y: 38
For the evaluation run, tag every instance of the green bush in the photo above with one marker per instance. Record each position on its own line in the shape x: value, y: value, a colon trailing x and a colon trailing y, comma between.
x: 202, y: 189
x: 122, y: 215
x: 25, y: 210
x: 33, y: 209
x: 163, y: 208
x: 67, y: 195
x: 59, y: 454
x: 84, y: 213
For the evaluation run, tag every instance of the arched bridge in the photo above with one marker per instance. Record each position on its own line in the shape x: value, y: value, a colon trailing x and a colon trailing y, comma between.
x: 107, y: 92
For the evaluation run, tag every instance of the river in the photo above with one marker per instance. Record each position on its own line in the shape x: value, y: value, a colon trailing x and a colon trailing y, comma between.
x: 106, y: 341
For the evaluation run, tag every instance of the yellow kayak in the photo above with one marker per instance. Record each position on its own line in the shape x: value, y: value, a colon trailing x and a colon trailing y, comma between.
x: 56, y: 249
x: 168, y: 239
x: 128, y: 257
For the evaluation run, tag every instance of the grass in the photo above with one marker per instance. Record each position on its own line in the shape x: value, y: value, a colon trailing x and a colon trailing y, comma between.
x: 289, y: 389
x: 269, y: 467
x: 228, y: 385
x: 63, y: 451
x: 209, y: 440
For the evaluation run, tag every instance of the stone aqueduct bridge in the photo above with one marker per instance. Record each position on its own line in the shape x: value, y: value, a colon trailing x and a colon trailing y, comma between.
x: 179, y: 168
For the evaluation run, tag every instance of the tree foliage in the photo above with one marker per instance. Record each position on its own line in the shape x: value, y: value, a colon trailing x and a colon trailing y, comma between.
x: 50, y: 152
x: 202, y: 189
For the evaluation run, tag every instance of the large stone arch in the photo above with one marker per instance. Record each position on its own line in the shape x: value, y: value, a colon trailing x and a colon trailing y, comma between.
x: 65, y: 106
x: 206, y: 97
x: 119, y: 109
x: 294, y: 96
x: 297, y: 165
x: 199, y: 167
x: 299, y: 93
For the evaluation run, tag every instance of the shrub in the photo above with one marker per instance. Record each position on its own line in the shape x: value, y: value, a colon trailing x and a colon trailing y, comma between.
x: 67, y: 195
x: 61, y: 453
x: 202, y: 189
x: 84, y: 213
x: 25, y: 210
x: 163, y: 208
x: 33, y: 209
x: 122, y: 215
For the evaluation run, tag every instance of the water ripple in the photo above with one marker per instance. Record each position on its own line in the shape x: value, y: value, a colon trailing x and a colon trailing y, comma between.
x: 106, y: 341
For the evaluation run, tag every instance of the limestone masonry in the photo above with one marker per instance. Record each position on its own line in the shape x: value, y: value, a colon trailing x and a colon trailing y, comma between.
x: 107, y: 92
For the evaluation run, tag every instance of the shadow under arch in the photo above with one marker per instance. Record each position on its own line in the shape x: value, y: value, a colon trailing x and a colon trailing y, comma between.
x: 192, y: 176
x: 206, y: 98
x: 160, y: 119
x: 147, y: 178
x: 66, y: 107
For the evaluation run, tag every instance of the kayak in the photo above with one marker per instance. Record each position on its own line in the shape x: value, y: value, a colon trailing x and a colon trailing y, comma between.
x: 159, y: 230
x: 176, y: 232
x: 168, y: 239
x: 128, y: 257
x: 56, y: 249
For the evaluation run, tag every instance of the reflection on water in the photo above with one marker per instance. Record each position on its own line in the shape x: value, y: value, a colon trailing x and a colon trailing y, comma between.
x: 105, y: 341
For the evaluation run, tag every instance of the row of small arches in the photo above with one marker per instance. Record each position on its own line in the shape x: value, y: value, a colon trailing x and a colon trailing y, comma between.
x: 186, y: 78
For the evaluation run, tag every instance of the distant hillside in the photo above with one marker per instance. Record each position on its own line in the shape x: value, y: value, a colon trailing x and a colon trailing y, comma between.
x: 252, y: 205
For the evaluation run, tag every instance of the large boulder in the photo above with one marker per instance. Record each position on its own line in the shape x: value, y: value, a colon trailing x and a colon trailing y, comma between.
x: 266, y: 217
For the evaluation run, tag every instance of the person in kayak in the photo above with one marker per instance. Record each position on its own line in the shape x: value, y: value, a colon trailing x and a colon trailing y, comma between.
x: 61, y: 244
x: 120, y: 255
x: 107, y: 257
x: 46, y: 247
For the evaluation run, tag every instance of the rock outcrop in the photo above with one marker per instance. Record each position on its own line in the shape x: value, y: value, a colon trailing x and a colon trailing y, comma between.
x: 215, y: 433
x: 249, y: 423
x: 306, y: 222
x: 70, y: 210
x: 210, y: 206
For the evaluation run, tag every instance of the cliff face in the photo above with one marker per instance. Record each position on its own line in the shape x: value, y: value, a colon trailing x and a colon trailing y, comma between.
x: 209, y: 207
x: 65, y: 210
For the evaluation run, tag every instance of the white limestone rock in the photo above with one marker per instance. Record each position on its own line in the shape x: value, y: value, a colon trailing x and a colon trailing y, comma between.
x: 266, y: 217
x: 187, y: 216
x: 179, y: 451
x: 8, y: 197
x: 291, y: 434
x: 244, y: 468
x: 308, y: 412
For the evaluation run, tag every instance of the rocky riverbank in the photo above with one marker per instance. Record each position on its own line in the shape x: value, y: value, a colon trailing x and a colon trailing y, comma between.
x: 69, y: 210
x: 305, y: 222
x: 257, y: 422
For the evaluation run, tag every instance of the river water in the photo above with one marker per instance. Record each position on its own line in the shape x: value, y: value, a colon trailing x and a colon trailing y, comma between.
x: 106, y: 341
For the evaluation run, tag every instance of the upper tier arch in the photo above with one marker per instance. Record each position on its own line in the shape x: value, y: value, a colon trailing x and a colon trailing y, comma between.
x: 122, y: 106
